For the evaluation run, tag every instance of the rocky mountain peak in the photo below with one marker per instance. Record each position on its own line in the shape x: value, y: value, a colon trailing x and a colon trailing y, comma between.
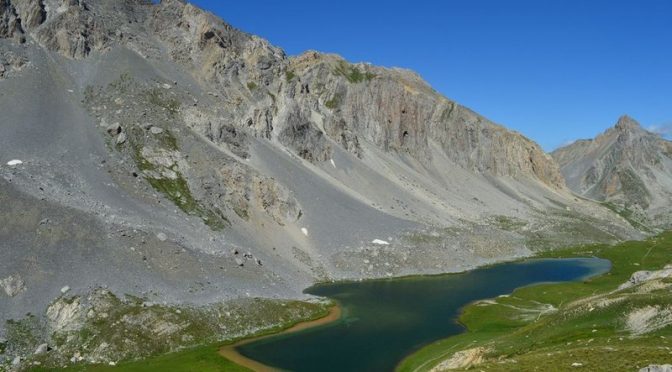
x: 626, y: 165
x: 627, y: 124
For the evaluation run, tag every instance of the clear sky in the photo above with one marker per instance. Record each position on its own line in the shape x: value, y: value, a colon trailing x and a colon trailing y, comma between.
x: 554, y: 70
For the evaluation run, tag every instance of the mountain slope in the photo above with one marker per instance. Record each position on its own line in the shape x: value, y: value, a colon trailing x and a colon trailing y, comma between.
x: 201, y: 164
x: 626, y: 166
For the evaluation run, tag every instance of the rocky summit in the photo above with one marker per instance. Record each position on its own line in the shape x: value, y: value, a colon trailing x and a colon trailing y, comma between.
x: 627, y: 167
x: 152, y: 150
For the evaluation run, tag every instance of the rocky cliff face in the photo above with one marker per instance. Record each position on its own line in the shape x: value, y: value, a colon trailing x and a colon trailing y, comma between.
x: 626, y: 166
x: 203, y: 164
x: 398, y: 112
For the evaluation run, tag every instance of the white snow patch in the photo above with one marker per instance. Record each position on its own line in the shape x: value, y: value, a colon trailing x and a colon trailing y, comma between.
x: 14, y: 162
x: 332, y: 163
x: 304, y: 231
x: 380, y: 242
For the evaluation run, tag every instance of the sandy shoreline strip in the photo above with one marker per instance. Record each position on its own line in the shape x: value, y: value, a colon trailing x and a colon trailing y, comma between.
x: 229, y: 351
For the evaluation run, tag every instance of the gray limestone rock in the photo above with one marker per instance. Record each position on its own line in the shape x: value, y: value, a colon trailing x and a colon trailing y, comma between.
x: 657, y: 368
x: 13, y: 285
x: 43, y: 348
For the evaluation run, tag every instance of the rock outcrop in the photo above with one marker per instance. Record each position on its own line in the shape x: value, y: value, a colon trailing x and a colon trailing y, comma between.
x: 399, y: 112
x: 13, y: 285
x: 657, y: 368
x: 464, y: 359
x: 10, y: 23
x: 626, y: 166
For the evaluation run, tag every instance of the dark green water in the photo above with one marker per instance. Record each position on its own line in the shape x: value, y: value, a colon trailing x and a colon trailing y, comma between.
x: 384, y: 321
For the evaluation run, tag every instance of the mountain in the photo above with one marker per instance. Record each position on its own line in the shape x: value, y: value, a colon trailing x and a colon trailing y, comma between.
x: 627, y: 167
x: 154, y: 151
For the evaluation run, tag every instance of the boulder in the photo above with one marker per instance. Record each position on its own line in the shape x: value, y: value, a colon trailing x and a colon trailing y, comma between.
x: 65, y: 315
x: 42, y: 349
x: 121, y: 138
x: 155, y: 130
x: 13, y: 285
x: 113, y: 129
x: 462, y: 359
x: 643, y: 276
x: 657, y: 368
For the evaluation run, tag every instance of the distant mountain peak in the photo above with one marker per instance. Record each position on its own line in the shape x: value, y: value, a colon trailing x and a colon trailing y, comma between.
x: 626, y: 165
x: 627, y: 123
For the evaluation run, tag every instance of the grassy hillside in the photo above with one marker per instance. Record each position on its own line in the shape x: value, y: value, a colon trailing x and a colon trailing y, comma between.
x: 590, y: 325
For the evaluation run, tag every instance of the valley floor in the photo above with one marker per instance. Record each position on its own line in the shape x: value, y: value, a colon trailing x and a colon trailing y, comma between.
x: 616, y: 321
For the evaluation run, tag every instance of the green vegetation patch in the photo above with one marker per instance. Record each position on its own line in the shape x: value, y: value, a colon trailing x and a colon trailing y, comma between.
x: 628, y: 215
x: 201, y: 359
x: 508, y: 223
x: 552, y: 326
x: 289, y: 75
x: 22, y: 335
x: 334, y: 102
x: 158, y: 97
x: 177, y: 189
x: 633, y: 188
x: 251, y: 85
x: 352, y: 73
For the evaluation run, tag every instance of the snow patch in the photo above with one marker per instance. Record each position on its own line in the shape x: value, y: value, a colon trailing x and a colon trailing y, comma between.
x: 332, y: 163
x: 380, y: 242
x: 304, y: 231
x: 14, y: 162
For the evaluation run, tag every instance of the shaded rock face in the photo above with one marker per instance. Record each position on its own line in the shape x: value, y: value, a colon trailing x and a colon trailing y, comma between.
x: 627, y: 166
x: 31, y: 12
x: 305, y: 138
x: 10, y: 23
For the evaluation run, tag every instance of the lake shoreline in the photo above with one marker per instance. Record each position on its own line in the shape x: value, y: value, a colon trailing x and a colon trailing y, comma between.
x: 231, y: 353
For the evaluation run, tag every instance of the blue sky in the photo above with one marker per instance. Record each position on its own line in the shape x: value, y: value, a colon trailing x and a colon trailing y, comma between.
x: 553, y: 70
